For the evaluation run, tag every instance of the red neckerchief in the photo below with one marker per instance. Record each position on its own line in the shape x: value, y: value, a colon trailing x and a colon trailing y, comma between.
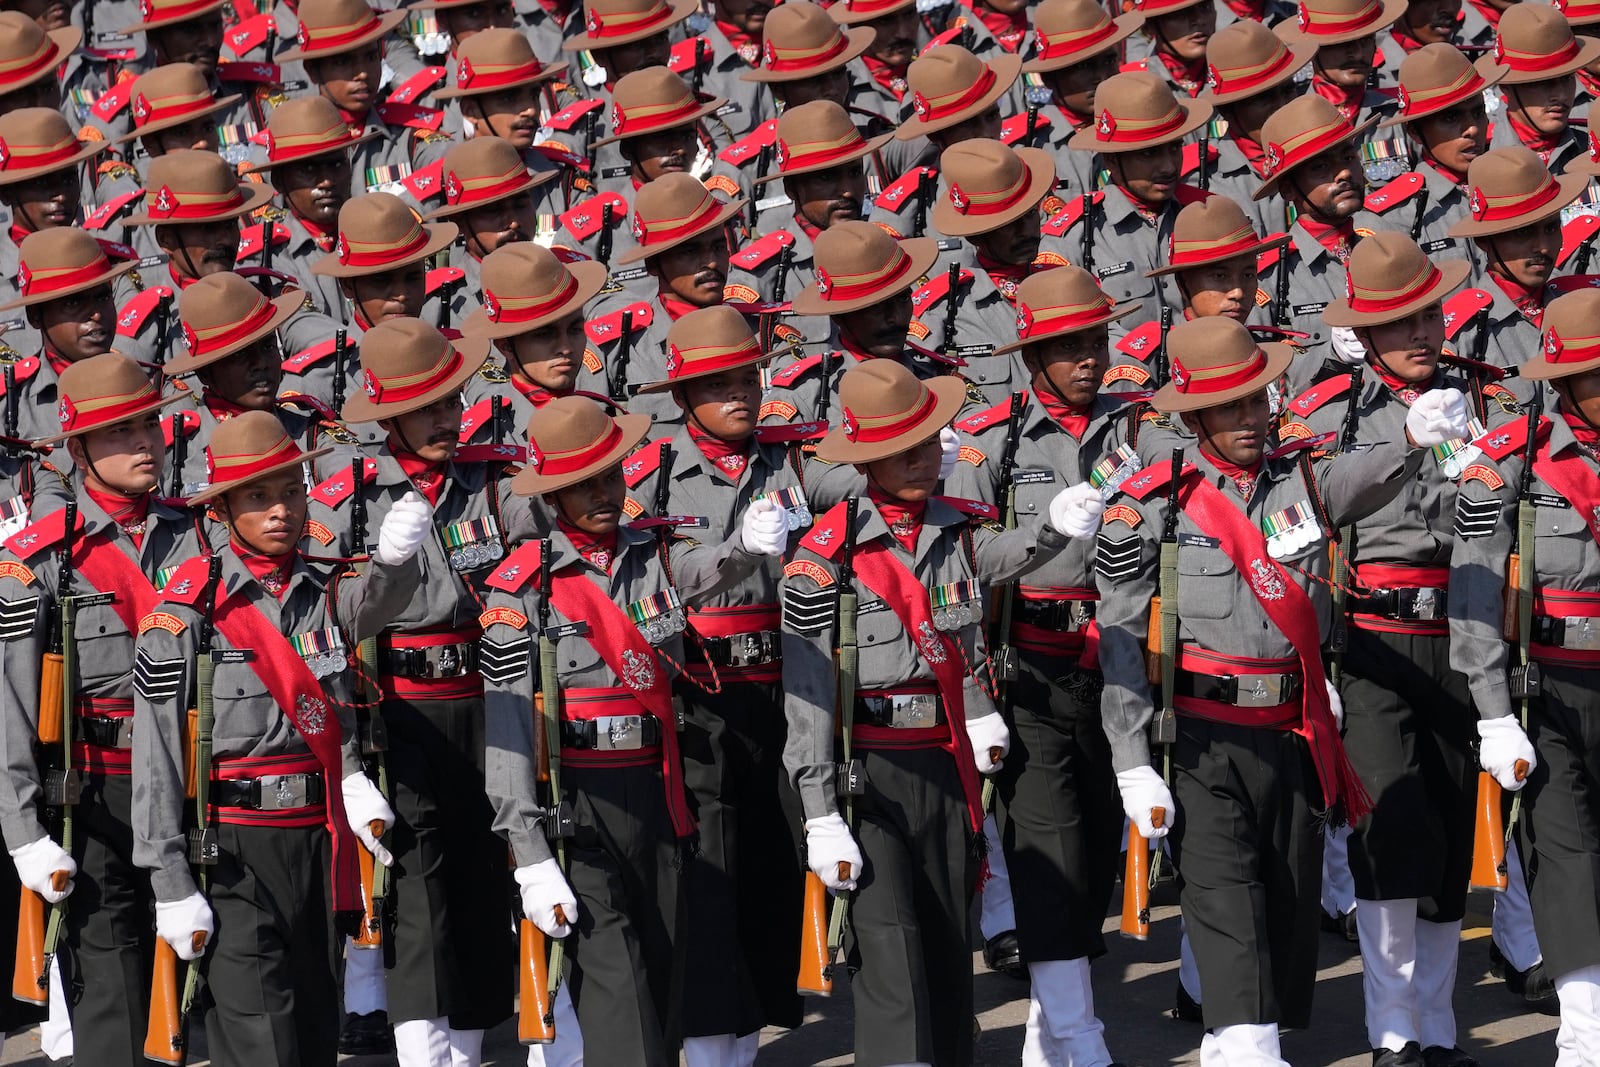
x: 849, y: 346
x: 1403, y: 39
x: 57, y: 362
x: 356, y: 120
x: 1078, y: 119
x: 18, y: 234
x: 1490, y: 13
x: 886, y: 76
x: 1009, y: 30
x: 730, y: 457
x: 1244, y: 478
x: 905, y: 520
x: 1147, y: 210
x: 1587, y: 435
x: 129, y: 513
x: 748, y: 47
x: 598, y: 549
x: 1006, y: 276
x: 537, y: 395
x: 806, y: 227
x: 1405, y: 390
x: 1543, y: 144
x: 272, y: 572
x: 1348, y: 101
x: 181, y: 283
x: 427, y: 477
x: 1253, y: 153
x: 1190, y: 77
x: 1247, y: 9
x: 556, y: 9
x: 1455, y: 177
x: 324, y: 239
x: 1529, y: 302
x: 675, y: 308
x: 1074, y: 420
x: 1337, y: 237
x: 222, y: 410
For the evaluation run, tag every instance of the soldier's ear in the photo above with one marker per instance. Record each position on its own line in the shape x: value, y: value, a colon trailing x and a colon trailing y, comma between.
x: 680, y: 399
x: 1191, y: 420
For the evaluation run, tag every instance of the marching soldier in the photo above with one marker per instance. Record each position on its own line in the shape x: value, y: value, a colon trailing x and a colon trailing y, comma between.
x: 804, y: 56
x: 604, y: 599
x: 283, y: 732
x: 1418, y: 26
x: 878, y: 77
x: 1543, y: 56
x: 1534, y: 501
x: 1062, y: 821
x: 1172, y: 42
x: 618, y: 38
x: 922, y: 717
x: 31, y: 57
x: 1344, y: 33
x: 124, y: 539
x: 716, y: 50
x: 1256, y: 718
x: 533, y: 306
x: 1407, y: 714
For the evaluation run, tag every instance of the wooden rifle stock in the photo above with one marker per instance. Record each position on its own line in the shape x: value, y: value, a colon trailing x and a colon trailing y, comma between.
x: 816, y: 966
x: 163, y: 1035
x: 371, y: 933
x: 25, y: 984
x: 1136, y: 881
x: 52, y: 674
x: 536, y: 1024
x: 1489, y: 835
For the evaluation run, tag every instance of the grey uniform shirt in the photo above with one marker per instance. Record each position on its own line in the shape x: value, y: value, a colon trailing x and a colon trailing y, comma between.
x: 1500, y: 335
x: 36, y: 385
x: 624, y: 361
x: 1315, y: 278
x: 1571, y: 148
x: 104, y: 647
x: 196, y: 422
x: 1442, y: 203
x: 984, y: 320
x: 248, y: 719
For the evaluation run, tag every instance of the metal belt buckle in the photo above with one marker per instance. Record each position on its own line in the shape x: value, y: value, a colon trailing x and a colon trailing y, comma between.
x: 281, y: 792
x: 750, y: 649
x: 619, y: 733
x: 1424, y: 604
x: 1258, y: 690
x: 1082, y: 613
x: 1580, y: 634
x: 913, y: 711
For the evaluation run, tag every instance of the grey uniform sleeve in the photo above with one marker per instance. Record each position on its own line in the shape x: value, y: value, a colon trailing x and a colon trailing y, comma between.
x: 808, y: 689
x: 1126, y: 572
x: 509, y: 662
x: 1485, y: 532
x: 23, y: 617
x: 1005, y: 555
x: 163, y: 678
x: 1356, y: 484
x: 700, y: 572
x: 371, y: 601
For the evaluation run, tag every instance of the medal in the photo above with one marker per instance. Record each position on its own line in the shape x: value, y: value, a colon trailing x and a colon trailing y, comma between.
x: 1291, y: 530
x: 796, y: 512
x: 955, y: 605
x: 473, y: 543
x: 1454, y: 457
x: 1109, y: 474
x: 659, y: 617
x: 323, y: 651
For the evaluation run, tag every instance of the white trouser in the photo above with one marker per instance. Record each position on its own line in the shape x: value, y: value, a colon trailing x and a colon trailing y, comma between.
x: 1243, y: 1045
x: 567, y: 1049
x: 1438, y: 951
x: 431, y: 1043
x: 1037, y: 1049
x: 1067, y: 1023
x: 1578, y: 1040
x: 55, y: 1033
x: 1388, y: 969
x: 364, y: 988
x: 1338, y: 887
x: 720, y: 1050
x: 996, y: 915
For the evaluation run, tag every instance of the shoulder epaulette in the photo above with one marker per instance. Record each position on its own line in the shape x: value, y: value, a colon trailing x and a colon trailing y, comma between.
x: 982, y: 420
x: 310, y: 357
x: 949, y: 35
x: 934, y: 291
x: 188, y: 583
x: 790, y: 374
x: 904, y: 186
x: 1142, y: 341
x: 312, y: 404
x: 560, y: 155
x: 425, y: 182
x: 828, y: 532
x: 112, y: 101
x: 135, y: 311
x: 1185, y: 195
x: 1150, y: 480
x: 1300, y: 443
x: 1509, y: 439
x: 416, y: 85
x: 583, y: 220
x: 789, y: 433
x: 337, y: 487
x: 101, y: 216
x: 1063, y: 220
x: 1190, y: 160
x: 21, y: 371
x: 479, y: 412
x: 517, y: 569
x: 608, y: 327
x: 681, y: 58
x: 1015, y: 128
x: 568, y: 116
x: 250, y: 239
x: 41, y: 534
x: 439, y: 277
x: 1319, y: 394
x: 249, y: 33
x: 254, y: 73
x: 977, y: 509
x: 762, y: 249
x: 643, y: 462
x: 749, y: 147
x: 1574, y: 282
x: 411, y: 116
x: 569, y: 255
x: 1475, y: 366
x: 1575, y: 233
x: 1396, y: 192
x: 1134, y: 66
x: 1459, y: 309
x: 1268, y: 257
x: 488, y: 453
x: 188, y: 421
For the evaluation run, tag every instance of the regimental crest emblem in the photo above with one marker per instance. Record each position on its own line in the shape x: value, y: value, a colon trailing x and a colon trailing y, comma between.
x: 312, y: 713
x: 1267, y: 580
x: 933, y: 649
x: 637, y: 671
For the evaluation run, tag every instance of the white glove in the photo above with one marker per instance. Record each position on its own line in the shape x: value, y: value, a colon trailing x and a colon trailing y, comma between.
x: 363, y: 805
x: 177, y: 921
x: 949, y: 452
x: 1347, y: 347
x: 1142, y: 792
x: 544, y: 889
x: 403, y: 530
x: 38, y: 861
x: 828, y: 844
x: 16, y: 524
x: 763, y: 531
x: 987, y: 734
x: 1336, y: 704
x: 1438, y: 415
x: 1076, y: 510
x: 1502, y: 746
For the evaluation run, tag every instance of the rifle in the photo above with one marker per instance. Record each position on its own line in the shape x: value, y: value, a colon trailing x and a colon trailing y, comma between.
x: 763, y: 164
x: 1142, y: 868
x: 1033, y: 123
x: 780, y: 285
x: 1416, y: 220
x: 10, y: 424
x: 602, y: 250
x: 163, y: 325
x: 1344, y: 549
x: 951, y: 296
x: 1281, y: 298
x: 697, y: 77
x: 339, y: 375
x: 1086, y: 253
x: 1202, y: 178
x: 1161, y: 367
x: 927, y: 185
x: 374, y: 743
x: 619, y: 384
x: 180, y: 454
x: 816, y: 955
x: 1004, y: 666
x: 825, y: 390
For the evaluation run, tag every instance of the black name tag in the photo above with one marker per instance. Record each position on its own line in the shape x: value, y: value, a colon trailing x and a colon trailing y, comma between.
x: 232, y: 655
x: 94, y: 599
x: 1443, y: 244
x: 1033, y: 477
x: 1308, y: 309
x: 568, y: 629
x: 614, y: 172
x: 1545, y: 500
x: 1194, y: 540
x: 871, y: 606
x: 949, y: 244
x: 964, y: 351
x: 730, y: 108
x: 1112, y: 271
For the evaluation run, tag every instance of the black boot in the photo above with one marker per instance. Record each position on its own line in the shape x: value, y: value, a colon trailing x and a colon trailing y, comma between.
x: 1002, y: 953
x: 366, y: 1035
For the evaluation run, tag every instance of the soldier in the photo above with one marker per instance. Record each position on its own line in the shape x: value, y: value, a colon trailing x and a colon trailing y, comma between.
x: 546, y: 27
x: 878, y: 77
x: 1266, y: 12
x: 1137, y: 136
x: 124, y: 539
x: 1256, y: 716
x: 1062, y: 823
x: 31, y: 57
x: 1514, y: 219
x: 66, y: 278
x: 258, y: 910
x: 1537, y: 46
x: 1419, y: 25
x: 1252, y: 74
x: 681, y: 233
x: 1075, y: 48
x: 989, y: 199
x: 231, y: 346
x: 1172, y: 42
x: 922, y: 716
x: 805, y: 56
x: 451, y: 890
x: 1546, y: 513
x: 1407, y: 714
x: 533, y: 307
x: 621, y: 776
x: 1442, y: 111
x: 716, y: 50
x: 622, y: 36
x: 341, y: 46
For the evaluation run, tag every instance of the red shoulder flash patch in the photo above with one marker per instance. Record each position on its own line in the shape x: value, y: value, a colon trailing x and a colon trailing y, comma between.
x: 189, y: 421
x: 162, y: 620
x: 1141, y: 342
x: 1126, y: 372
x: 609, y: 327
x: 631, y: 507
x: 828, y: 532
x: 762, y: 249
x: 187, y: 583
x: 1575, y: 233
x: 335, y: 488
x: 1482, y: 472
x: 517, y: 569
x: 642, y: 463
x: 809, y: 568
x: 1320, y: 394
x: 1015, y: 128
x: 1050, y: 259
x: 989, y: 416
x: 135, y: 311
x: 101, y: 216
x: 41, y: 534
x: 1063, y: 220
x: 247, y: 34
x: 22, y: 370
x: 739, y: 294
x: 1459, y: 309
x: 592, y: 361
x: 1508, y: 439
x: 1134, y: 66
x: 420, y: 82
x: 317, y: 530
x: 904, y: 186
x: 779, y: 408
x: 1121, y: 513
x: 503, y: 617
x: 682, y: 56
x: 1149, y: 480
x: 1191, y: 157
x: 426, y: 182
x: 250, y: 239
x: 10, y: 568
x: 930, y: 294
x: 791, y: 374
x: 1398, y: 191
x: 743, y: 151
x: 585, y: 219
x: 971, y: 454
x: 1293, y: 431
x: 569, y: 116
x: 1191, y: 194
x: 310, y: 357
x: 721, y: 183
x: 919, y: 330
x: 411, y: 116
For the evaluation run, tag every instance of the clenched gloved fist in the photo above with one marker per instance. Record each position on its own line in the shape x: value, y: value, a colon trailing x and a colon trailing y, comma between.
x: 1075, y: 512
x: 1347, y: 347
x: 1502, y: 746
x: 1438, y: 415
x: 987, y: 735
x: 1143, y: 792
x: 763, y: 531
x: 38, y: 863
x: 949, y: 452
x: 544, y: 890
x: 403, y: 530
x: 830, y: 846
x: 363, y: 806
x: 178, y: 921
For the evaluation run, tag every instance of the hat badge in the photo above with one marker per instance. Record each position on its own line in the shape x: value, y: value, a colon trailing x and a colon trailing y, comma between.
x: 464, y: 73
x: 302, y: 37
x: 847, y: 423
x: 618, y: 118
x: 165, y: 201
x: 1180, y: 376
x: 491, y: 306
x: 593, y: 22
x: 824, y: 282
x: 146, y: 9
x: 919, y: 104
x: 24, y: 278
x: 369, y: 382
x: 141, y: 108
x: 190, y: 340
x: 1024, y: 319
x: 5, y: 155
x: 66, y: 412
x: 452, y: 187
x: 958, y: 199
x: 1302, y: 17
x: 1475, y: 203
x: 638, y: 227
x: 1499, y: 49
x: 342, y: 248
x: 1404, y: 98
x: 271, y: 144
x: 1273, y: 156
x: 1106, y: 126
x: 780, y: 151
x: 1213, y: 76
x: 1349, y: 285
x: 1553, y: 345
x: 1594, y: 149
x: 535, y: 457
x: 674, y: 361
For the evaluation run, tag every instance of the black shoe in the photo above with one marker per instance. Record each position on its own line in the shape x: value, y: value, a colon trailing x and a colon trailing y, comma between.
x: 1002, y: 953
x: 1534, y: 985
x: 366, y: 1035
x: 1185, y: 1009
x: 1439, y: 1056
x: 1343, y: 925
x: 1410, y: 1056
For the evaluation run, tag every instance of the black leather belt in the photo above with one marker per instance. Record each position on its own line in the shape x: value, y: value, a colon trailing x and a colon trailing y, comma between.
x: 1576, y: 633
x: 612, y: 733
x: 753, y: 649
x: 435, y: 661
x: 1410, y: 604
x: 1062, y: 616
x: 900, y: 711
x: 270, y: 792
x: 105, y: 732
x: 1239, y: 690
